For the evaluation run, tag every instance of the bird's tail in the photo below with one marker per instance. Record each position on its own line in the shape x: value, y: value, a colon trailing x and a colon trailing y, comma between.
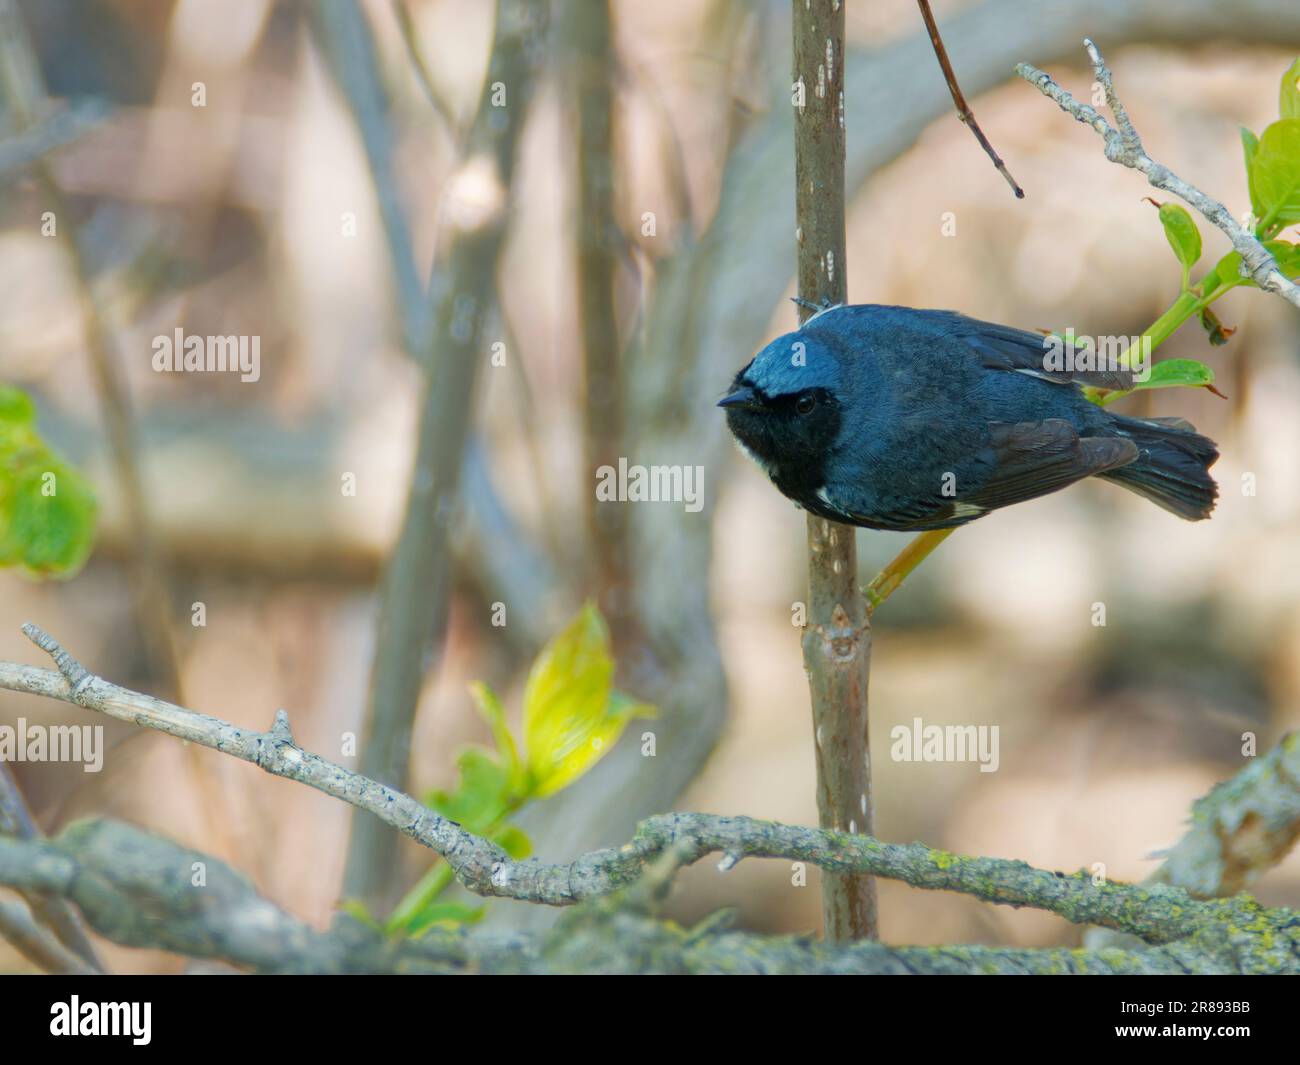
x: 1172, y: 468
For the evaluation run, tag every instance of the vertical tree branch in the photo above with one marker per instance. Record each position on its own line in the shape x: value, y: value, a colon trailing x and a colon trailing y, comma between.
x: 589, y: 40
x: 349, y: 46
x: 413, y: 604
x: 837, y: 636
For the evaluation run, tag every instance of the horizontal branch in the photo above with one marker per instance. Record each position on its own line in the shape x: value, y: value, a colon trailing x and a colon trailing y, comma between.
x: 139, y: 889
x: 1124, y: 146
x: 1156, y: 913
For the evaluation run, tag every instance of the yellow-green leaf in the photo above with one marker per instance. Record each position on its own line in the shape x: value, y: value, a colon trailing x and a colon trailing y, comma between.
x: 571, y: 716
x: 1289, y: 98
x: 566, y: 696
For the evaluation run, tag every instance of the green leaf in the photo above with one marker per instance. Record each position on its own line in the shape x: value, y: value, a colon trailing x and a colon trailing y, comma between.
x: 1287, y: 256
x: 1182, y: 234
x: 514, y: 841
x: 1289, y: 98
x: 1175, y: 373
x: 16, y: 409
x: 482, y: 797
x: 489, y: 707
x: 1250, y: 148
x: 571, y: 717
x: 446, y: 915
x: 1275, y: 174
x: 1225, y: 275
x: 47, y: 509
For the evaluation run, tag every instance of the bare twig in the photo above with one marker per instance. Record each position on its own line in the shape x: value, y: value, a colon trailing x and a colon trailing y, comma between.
x: 35, y: 943
x: 837, y: 636
x: 16, y: 820
x: 1124, y: 146
x: 350, y: 48
x: 410, y: 37
x: 959, y: 100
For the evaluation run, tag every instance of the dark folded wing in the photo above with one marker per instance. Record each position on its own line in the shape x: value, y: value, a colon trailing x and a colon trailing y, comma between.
x: 1023, y: 460
x: 1001, y: 347
x: 1031, y: 459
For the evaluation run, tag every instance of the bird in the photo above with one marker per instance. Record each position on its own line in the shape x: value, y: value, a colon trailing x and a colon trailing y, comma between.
x: 905, y: 419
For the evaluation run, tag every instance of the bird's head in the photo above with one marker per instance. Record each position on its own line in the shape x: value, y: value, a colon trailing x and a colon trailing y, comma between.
x: 784, y: 407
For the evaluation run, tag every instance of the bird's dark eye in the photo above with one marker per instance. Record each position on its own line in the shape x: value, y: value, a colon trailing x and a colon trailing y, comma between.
x: 805, y: 403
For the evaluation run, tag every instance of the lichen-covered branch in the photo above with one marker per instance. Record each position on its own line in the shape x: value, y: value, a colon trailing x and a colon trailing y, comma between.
x: 1239, y: 831
x: 141, y: 890
x: 1157, y: 913
x: 1124, y: 146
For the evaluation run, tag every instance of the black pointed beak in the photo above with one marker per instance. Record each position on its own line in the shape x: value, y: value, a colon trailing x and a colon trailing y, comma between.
x: 743, y: 397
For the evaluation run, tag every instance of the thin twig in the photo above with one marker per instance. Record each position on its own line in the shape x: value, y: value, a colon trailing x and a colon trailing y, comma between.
x: 959, y: 100
x: 349, y: 47
x: 35, y: 943
x: 1124, y: 146
x: 16, y: 820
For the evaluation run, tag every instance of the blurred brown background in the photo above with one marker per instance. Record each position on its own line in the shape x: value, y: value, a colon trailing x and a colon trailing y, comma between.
x: 226, y: 219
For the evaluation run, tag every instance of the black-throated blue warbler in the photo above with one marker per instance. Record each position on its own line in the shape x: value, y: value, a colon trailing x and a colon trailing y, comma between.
x: 896, y: 418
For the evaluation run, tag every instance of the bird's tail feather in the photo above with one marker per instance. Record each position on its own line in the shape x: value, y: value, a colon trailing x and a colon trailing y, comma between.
x: 1172, y: 468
